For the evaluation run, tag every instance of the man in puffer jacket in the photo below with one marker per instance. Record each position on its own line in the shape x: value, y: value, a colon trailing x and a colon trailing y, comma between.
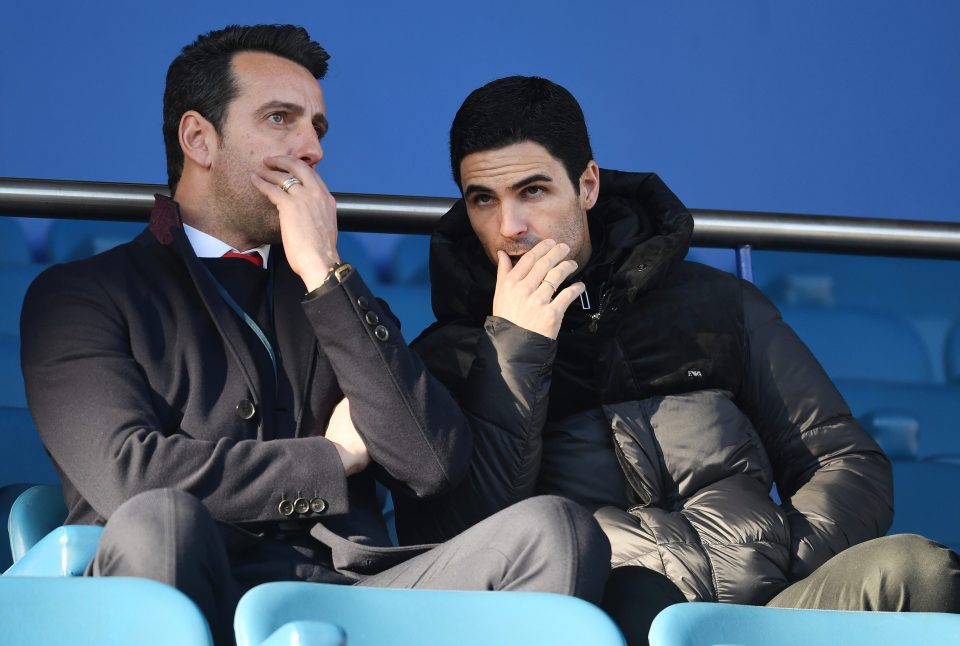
x: 666, y: 396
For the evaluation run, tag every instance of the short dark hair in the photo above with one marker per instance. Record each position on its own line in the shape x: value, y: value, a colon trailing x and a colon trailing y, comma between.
x: 201, y: 78
x: 515, y: 109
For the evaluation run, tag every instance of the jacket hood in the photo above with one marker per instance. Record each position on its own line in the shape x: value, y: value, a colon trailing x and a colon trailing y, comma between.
x: 640, y: 232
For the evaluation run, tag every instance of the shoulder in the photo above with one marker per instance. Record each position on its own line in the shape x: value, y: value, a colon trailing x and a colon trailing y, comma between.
x: 122, y: 272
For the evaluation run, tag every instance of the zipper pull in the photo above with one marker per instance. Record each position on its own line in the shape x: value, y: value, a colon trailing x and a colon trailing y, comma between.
x: 594, y: 321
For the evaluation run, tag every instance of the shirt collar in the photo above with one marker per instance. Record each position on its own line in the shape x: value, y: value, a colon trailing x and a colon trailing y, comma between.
x: 206, y: 246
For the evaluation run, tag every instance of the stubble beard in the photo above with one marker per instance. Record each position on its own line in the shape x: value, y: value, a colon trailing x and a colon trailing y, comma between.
x: 241, y: 209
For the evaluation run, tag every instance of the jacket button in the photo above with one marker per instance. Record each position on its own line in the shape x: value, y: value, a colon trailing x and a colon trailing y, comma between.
x: 363, y: 303
x: 318, y: 505
x: 381, y: 332
x: 301, y: 506
x: 372, y: 318
x: 246, y: 409
x: 285, y: 507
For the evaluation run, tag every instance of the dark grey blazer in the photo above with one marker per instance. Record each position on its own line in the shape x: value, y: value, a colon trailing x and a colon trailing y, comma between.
x: 139, y: 376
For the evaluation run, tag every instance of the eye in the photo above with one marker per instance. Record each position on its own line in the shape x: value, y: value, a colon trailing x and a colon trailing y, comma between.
x: 482, y: 200
x: 533, y: 191
x: 278, y: 118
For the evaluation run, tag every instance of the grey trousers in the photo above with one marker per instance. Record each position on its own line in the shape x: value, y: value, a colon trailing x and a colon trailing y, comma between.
x: 545, y: 544
x: 904, y: 572
x: 894, y: 573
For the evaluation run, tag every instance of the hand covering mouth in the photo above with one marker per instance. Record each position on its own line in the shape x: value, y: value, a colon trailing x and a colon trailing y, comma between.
x: 516, y: 256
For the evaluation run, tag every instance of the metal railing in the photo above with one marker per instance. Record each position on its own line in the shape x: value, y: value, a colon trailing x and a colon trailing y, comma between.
x: 406, y: 214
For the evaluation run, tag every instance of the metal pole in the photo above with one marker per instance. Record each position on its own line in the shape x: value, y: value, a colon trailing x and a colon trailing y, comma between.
x: 407, y: 214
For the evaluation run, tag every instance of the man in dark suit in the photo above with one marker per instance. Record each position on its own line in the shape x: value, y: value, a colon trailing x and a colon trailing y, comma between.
x: 223, y: 391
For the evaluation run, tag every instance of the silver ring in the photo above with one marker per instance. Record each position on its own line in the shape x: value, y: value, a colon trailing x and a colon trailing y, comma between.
x: 549, y: 283
x: 289, y: 183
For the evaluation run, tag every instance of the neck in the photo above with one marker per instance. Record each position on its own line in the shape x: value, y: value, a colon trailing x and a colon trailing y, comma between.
x: 197, y: 211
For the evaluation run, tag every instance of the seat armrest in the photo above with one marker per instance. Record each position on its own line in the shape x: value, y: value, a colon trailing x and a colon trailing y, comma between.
x: 66, y: 551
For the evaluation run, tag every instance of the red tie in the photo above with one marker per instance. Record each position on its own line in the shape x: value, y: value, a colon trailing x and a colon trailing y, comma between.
x: 253, y: 256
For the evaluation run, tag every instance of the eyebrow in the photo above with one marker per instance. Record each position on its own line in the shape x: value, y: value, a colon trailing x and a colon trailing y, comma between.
x: 479, y: 188
x: 319, y: 120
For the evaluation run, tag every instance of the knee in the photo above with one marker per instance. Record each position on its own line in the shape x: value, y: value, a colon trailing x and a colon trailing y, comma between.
x: 561, y: 524
x: 157, y: 520
x: 926, y: 570
x: 911, y: 558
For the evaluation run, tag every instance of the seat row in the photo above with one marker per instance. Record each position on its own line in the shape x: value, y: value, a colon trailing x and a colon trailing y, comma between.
x: 44, y: 601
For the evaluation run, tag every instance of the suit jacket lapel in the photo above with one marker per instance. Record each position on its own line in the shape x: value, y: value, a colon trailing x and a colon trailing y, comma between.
x: 167, y: 227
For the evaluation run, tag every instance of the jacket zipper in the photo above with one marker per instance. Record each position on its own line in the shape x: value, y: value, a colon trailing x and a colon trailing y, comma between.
x: 595, y: 318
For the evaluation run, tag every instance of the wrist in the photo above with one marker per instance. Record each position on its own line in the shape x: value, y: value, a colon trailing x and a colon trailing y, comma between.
x: 318, y: 271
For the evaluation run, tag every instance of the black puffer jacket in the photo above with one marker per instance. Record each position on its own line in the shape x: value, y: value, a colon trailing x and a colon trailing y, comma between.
x: 669, y: 407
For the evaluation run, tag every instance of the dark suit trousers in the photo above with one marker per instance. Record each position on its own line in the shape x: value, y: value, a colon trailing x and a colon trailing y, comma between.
x: 545, y: 544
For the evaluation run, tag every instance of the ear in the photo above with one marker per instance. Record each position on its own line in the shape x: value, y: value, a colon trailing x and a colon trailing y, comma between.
x: 198, y: 139
x: 589, y: 186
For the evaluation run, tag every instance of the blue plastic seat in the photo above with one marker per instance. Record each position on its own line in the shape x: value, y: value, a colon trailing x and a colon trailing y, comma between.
x: 862, y: 344
x: 421, y: 617
x: 307, y: 633
x: 352, y: 250
x: 14, y: 281
x: 411, y: 305
x: 64, y: 552
x: 934, y: 407
x: 97, y: 611
x: 22, y: 456
x: 75, y: 239
x: 12, y: 393
x: 952, y: 354
x: 15, y: 250
x: 35, y: 513
x: 716, y: 624
x: 410, y: 262
x: 8, y: 495
x: 39, y: 545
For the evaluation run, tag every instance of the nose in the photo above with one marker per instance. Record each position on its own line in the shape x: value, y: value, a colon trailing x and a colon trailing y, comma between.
x: 513, y: 223
x: 308, y: 146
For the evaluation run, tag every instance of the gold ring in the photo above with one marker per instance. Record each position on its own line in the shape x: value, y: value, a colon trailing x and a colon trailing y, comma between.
x: 289, y: 183
x: 549, y: 283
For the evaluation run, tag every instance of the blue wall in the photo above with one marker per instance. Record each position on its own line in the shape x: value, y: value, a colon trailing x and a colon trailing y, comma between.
x: 820, y: 107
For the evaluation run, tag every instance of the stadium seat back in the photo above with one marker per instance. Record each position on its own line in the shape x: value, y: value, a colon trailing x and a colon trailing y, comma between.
x: 34, y: 514
x: 715, y: 624
x: 85, y: 611
x: 414, y: 617
x: 75, y: 239
x: 410, y: 262
x: 861, y: 344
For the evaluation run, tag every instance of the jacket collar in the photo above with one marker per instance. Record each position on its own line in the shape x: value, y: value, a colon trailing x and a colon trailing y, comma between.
x: 640, y: 229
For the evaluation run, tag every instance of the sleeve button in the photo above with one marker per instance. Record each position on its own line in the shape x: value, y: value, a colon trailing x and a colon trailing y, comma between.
x: 363, y: 303
x: 318, y: 505
x: 301, y: 506
x: 372, y: 318
x: 381, y: 332
x: 286, y: 507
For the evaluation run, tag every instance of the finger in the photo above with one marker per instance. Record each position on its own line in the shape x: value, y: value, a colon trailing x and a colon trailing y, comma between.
x: 503, y: 265
x: 549, y: 260
x: 567, y: 295
x: 546, y: 289
x: 561, y: 272
x: 288, y: 164
x: 529, y: 259
x: 276, y: 177
x: 270, y: 190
